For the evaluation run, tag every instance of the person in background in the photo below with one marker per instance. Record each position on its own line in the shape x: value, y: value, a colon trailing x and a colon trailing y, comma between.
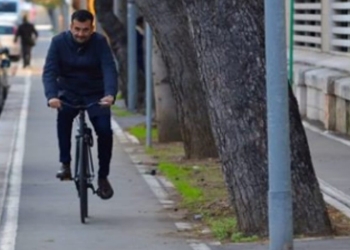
x: 28, y: 35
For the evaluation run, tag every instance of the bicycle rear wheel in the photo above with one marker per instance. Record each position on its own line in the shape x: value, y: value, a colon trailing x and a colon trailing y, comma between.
x: 83, y: 194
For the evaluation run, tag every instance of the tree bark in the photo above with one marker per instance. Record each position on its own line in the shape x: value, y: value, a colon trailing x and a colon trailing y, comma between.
x: 229, y: 41
x: 166, y: 117
x: 117, y: 35
x: 167, y: 19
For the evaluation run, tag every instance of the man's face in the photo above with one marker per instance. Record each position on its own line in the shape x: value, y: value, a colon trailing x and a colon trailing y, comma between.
x: 81, y: 31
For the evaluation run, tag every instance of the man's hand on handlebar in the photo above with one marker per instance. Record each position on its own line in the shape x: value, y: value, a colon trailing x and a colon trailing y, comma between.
x: 107, y: 100
x: 55, y: 103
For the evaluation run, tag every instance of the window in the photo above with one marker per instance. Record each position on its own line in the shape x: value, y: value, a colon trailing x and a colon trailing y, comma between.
x: 340, y: 26
x: 6, y: 30
x: 307, y: 24
x: 8, y: 7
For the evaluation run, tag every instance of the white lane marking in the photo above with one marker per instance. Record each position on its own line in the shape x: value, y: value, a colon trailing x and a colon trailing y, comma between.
x: 9, y: 232
x: 199, y: 246
x: 43, y: 27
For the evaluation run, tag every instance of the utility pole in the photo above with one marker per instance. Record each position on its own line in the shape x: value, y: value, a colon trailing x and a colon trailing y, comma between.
x: 291, y: 42
x: 280, y: 195
x: 132, y: 63
x: 149, y: 85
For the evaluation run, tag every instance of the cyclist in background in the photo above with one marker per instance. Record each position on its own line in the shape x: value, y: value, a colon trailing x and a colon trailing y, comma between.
x: 80, y: 68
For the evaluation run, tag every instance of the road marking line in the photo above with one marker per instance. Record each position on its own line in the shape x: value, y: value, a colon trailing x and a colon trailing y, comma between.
x: 11, y: 209
x: 199, y: 246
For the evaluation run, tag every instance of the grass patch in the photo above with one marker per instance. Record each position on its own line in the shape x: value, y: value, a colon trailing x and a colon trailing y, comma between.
x: 225, y: 228
x: 201, y: 191
x: 200, y: 186
x: 121, y: 112
x: 179, y: 176
x: 119, y: 96
x: 139, y: 131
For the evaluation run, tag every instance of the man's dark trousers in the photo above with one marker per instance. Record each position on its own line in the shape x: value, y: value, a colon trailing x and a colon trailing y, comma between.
x: 26, y: 54
x: 102, y: 126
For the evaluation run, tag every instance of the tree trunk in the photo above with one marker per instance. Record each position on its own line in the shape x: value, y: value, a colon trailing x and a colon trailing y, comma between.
x: 166, y: 117
x: 229, y: 41
x: 117, y: 35
x: 167, y: 19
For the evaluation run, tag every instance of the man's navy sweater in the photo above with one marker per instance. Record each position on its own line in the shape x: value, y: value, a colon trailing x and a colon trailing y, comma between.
x: 86, y: 70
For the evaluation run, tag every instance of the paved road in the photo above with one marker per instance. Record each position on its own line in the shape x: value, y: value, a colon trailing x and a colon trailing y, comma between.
x: 48, y: 212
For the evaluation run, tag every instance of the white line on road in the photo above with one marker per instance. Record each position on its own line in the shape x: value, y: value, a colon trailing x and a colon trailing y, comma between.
x: 199, y: 246
x: 10, y: 223
x: 43, y: 27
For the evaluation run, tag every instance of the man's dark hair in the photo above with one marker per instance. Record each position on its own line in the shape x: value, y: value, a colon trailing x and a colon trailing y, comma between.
x: 25, y: 19
x: 82, y: 16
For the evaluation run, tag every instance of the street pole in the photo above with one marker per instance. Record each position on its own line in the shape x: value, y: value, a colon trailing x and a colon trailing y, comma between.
x: 279, y: 171
x: 149, y: 85
x: 291, y: 42
x: 132, y: 63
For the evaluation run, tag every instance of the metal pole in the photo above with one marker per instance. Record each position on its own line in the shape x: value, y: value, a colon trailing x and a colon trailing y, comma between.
x: 149, y: 85
x: 132, y: 63
x: 291, y: 41
x: 279, y: 198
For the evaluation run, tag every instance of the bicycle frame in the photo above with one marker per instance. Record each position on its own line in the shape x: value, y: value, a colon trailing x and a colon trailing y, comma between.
x: 84, y: 133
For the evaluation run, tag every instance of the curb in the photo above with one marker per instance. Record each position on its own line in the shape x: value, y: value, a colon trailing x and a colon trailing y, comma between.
x: 159, y: 185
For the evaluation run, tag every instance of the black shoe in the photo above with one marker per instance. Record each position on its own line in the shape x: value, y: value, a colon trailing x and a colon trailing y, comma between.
x: 105, y: 190
x: 64, y: 173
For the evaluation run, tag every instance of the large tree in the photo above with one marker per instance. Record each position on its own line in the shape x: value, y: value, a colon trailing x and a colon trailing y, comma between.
x: 116, y: 32
x: 168, y: 19
x: 228, y: 38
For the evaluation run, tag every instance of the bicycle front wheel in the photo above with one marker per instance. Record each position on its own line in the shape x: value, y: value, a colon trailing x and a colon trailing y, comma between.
x: 83, y: 161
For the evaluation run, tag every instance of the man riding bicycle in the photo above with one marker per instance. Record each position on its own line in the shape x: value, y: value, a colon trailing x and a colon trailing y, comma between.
x: 80, y: 69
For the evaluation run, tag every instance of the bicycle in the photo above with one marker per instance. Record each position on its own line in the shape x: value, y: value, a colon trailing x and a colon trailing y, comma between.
x: 84, y: 168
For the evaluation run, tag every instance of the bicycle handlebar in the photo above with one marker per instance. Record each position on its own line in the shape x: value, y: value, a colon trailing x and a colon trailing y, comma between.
x: 83, y: 107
